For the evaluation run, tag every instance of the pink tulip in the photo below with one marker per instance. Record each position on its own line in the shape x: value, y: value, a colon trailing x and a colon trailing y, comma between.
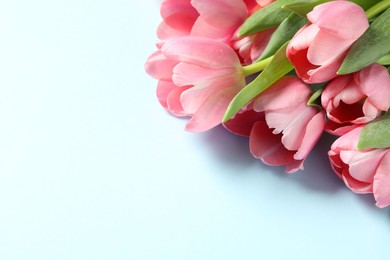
x: 356, y: 98
x: 201, y: 75
x: 366, y: 171
x: 318, y: 49
x: 282, y: 129
x: 218, y: 20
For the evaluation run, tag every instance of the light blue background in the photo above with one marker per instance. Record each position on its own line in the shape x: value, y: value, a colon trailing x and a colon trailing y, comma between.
x: 91, y: 167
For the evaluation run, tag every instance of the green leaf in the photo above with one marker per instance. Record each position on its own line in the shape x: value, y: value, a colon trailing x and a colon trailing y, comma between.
x: 385, y: 60
x: 376, y: 134
x: 283, y: 34
x: 270, y: 16
x: 371, y: 46
x: 365, y: 4
x: 277, y: 68
x: 303, y: 8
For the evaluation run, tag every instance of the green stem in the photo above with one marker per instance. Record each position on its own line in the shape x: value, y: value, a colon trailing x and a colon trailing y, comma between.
x: 256, y: 67
x: 377, y: 9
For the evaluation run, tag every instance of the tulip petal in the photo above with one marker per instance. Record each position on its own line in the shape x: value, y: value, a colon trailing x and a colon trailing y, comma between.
x: 362, y: 165
x: 286, y: 93
x: 313, y: 133
x: 268, y: 147
x: 202, y: 52
x: 349, y: 141
x: 325, y: 47
x: 323, y: 73
x: 382, y: 182
x: 221, y: 13
x: 355, y: 185
x: 178, y: 14
x: 190, y: 74
x: 203, y: 29
x: 303, y: 38
x: 242, y: 122
x: 375, y: 84
x: 211, y: 112
x: 159, y: 67
x: 344, y: 19
x: 164, y: 31
x: 173, y: 101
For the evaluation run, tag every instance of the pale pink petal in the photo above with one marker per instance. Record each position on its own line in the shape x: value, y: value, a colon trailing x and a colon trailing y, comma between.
x: 211, y: 112
x: 332, y: 89
x: 326, y: 46
x: 350, y: 94
x: 382, y: 182
x: 168, y: 95
x: 349, y: 141
x: 313, y: 133
x: 173, y: 101
x: 221, y: 13
x: 294, y: 133
x: 370, y: 113
x: 163, y: 89
x: 159, y: 67
x: 202, y: 52
x: 194, y: 98
x: 179, y: 14
x: 362, y: 165
x: 164, y: 32
x: 203, y: 29
x: 344, y: 19
x: 280, y: 119
x: 285, y: 93
x: 302, y: 40
x: 375, y: 84
x: 190, y: 74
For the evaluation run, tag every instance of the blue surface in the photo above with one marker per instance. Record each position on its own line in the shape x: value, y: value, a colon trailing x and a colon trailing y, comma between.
x: 91, y: 167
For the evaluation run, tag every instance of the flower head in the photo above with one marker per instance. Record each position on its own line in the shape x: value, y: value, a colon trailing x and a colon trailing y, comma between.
x: 365, y: 171
x: 318, y: 49
x: 282, y: 129
x: 356, y: 98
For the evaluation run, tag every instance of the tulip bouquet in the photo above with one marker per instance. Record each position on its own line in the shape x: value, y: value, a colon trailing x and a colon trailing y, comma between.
x: 282, y: 72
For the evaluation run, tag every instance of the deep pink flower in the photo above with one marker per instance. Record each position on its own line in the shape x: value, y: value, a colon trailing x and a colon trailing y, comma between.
x: 282, y: 129
x: 318, y: 49
x: 356, y: 98
x: 366, y: 171
x: 202, y: 77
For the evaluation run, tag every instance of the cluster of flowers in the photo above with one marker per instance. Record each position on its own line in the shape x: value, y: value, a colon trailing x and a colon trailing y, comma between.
x: 204, y: 61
